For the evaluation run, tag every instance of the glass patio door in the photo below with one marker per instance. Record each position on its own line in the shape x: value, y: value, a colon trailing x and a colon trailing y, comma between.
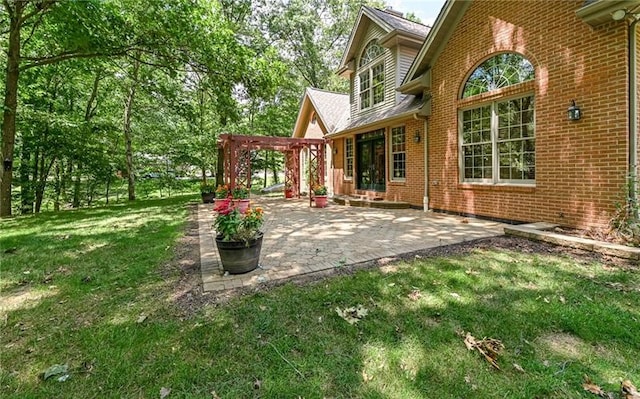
x: 371, y: 163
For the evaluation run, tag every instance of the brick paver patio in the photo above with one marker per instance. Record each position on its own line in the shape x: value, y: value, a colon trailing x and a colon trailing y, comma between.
x: 299, y: 239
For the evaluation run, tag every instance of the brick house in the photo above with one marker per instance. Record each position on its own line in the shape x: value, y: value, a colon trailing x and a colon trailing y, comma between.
x: 482, y: 112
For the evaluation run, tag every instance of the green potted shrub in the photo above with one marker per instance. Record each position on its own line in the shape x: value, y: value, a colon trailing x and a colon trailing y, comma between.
x: 320, y: 195
x: 240, y: 196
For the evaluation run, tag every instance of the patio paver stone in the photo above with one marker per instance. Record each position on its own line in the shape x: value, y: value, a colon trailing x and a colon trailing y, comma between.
x: 299, y: 239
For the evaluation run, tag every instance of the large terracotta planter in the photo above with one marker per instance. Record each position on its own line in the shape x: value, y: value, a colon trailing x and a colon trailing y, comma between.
x: 241, y: 205
x: 320, y: 200
x: 288, y: 193
x: 238, y: 256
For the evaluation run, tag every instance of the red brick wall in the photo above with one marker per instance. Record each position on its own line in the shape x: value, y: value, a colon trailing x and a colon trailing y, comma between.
x: 580, y: 166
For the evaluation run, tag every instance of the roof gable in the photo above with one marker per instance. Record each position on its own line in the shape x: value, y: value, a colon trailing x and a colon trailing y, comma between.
x: 391, y: 24
x: 330, y: 107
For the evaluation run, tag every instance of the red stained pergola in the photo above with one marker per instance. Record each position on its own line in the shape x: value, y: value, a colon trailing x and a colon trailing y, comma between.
x: 237, y: 149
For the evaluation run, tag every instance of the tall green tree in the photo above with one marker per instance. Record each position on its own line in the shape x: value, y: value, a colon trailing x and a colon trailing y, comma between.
x: 44, y: 32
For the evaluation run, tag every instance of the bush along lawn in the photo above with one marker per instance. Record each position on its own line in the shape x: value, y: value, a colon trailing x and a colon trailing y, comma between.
x: 90, y: 292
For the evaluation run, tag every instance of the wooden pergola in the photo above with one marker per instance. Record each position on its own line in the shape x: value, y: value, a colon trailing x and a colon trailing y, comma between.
x: 236, y: 150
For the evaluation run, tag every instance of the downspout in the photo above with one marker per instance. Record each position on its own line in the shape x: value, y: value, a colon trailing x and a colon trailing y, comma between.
x: 425, y: 140
x: 425, y: 198
x: 633, y: 115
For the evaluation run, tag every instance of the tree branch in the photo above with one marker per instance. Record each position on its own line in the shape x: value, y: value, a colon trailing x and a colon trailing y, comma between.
x: 68, y: 55
x: 33, y: 29
x: 39, y: 8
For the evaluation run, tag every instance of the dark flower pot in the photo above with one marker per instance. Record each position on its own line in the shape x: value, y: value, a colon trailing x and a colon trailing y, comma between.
x: 208, y: 198
x: 239, y: 256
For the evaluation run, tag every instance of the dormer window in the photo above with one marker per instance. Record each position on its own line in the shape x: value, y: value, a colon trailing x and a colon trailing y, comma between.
x: 371, y: 75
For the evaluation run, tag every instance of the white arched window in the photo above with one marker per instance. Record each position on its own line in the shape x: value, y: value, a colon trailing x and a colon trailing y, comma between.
x: 371, y: 75
x: 497, y: 135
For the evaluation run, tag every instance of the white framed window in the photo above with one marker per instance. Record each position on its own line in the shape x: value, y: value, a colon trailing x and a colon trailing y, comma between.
x: 497, y: 142
x: 348, y: 158
x: 497, y: 138
x: 371, y: 75
x: 398, y: 153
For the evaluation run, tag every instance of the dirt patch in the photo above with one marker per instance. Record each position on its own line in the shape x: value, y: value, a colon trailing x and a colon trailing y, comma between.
x: 563, y: 344
x: 189, y: 297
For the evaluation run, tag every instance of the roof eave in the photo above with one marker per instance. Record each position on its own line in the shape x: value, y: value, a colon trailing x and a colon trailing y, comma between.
x: 397, y: 37
x: 381, y: 122
x: 599, y: 12
x: 436, y: 39
x: 418, y: 85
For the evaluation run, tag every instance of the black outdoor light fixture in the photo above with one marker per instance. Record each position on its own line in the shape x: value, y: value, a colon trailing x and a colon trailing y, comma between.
x: 574, y: 111
x: 416, y: 137
x: 7, y: 164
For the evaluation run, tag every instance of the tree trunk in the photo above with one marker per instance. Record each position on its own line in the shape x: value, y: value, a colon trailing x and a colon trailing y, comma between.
x: 42, y: 182
x: 10, y: 108
x: 106, y: 194
x: 26, y: 189
x: 266, y: 167
x: 57, y: 186
x: 220, y: 167
x: 128, y: 106
x: 76, y: 186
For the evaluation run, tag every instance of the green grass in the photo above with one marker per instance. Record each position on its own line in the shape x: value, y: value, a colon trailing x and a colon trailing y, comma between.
x: 78, y: 282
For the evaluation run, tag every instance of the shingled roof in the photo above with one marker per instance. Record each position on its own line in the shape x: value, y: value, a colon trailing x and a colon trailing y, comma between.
x: 407, y: 106
x: 331, y: 107
x: 399, y: 23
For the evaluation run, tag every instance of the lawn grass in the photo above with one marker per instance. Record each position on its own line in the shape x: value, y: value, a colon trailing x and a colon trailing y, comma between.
x: 87, y: 289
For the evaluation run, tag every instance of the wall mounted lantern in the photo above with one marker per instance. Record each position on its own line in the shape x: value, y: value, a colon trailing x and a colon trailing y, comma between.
x: 573, y: 111
x: 416, y: 137
x: 335, y: 150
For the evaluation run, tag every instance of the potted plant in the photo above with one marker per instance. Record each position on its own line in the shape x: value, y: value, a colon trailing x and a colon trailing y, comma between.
x: 238, y: 236
x: 207, y: 192
x: 222, y: 191
x: 240, y: 196
x: 320, y: 195
x: 288, y: 191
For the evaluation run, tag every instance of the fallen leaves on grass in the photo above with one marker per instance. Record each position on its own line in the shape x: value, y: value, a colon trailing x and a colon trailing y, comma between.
x: 629, y: 391
x: 518, y: 367
x: 595, y: 389
x: 60, y: 370
x: 353, y: 314
x: 488, y: 347
x: 164, y: 392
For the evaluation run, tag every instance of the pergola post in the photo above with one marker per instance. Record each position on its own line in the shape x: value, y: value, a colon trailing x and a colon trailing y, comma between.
x: 292, y: 171
x: 316, y: 167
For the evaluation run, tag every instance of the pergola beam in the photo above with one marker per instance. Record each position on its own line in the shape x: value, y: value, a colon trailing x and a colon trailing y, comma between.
x: 237, y: 162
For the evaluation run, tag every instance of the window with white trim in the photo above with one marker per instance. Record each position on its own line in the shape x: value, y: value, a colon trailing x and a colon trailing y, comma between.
x: 348, y: 158
x: 398, y: 153
x: 497, y: 138
x: 371, y: 75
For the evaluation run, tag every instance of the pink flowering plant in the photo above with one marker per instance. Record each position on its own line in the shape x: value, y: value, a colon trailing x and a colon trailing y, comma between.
x: 232, y: 225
